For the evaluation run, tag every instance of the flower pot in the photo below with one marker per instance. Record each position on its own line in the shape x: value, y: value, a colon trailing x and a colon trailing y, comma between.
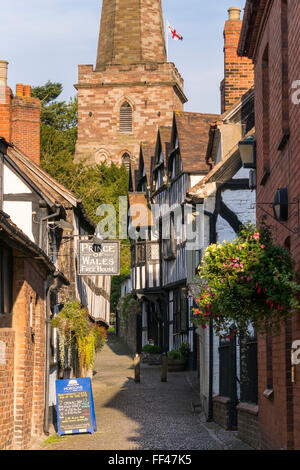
x: 154, y: 359
x: 145, y: 357
x: 176, y: 365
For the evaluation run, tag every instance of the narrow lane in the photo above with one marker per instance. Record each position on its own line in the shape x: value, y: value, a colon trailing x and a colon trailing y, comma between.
x: 148, y: 415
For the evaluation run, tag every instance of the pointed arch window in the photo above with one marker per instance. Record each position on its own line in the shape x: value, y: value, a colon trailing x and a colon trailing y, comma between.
x: 126, y: 160
x: 126, y: 118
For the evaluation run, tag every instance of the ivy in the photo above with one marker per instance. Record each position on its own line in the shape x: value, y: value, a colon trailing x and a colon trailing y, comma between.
x: 128, y: 305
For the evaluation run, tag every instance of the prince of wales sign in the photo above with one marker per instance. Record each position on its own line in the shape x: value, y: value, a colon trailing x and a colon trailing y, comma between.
x: 105, y: 260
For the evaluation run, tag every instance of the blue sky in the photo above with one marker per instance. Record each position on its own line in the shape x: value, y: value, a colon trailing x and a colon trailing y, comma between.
x: 47, y: 40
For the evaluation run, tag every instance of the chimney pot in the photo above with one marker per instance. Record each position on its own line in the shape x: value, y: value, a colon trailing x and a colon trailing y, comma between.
x: 19, y: 89
x: 27, y: 91
x: 3, y: 80
x: 234, y: 13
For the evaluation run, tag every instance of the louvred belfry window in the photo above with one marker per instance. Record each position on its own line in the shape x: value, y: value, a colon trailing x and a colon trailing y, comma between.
x: 126, y: 119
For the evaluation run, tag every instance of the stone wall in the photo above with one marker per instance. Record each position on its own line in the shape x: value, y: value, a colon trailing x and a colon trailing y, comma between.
x: 128, y: 331
x: 153, y: 91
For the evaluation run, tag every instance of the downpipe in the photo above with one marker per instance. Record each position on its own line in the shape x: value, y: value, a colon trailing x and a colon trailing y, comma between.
x: 54, y: 284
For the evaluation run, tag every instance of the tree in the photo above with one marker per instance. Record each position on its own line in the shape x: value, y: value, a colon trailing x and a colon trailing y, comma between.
x: 95, y: 185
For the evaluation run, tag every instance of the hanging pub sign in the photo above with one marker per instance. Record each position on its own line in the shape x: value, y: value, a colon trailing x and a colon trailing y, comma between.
x: 99, y: 259
x: 75, y: 406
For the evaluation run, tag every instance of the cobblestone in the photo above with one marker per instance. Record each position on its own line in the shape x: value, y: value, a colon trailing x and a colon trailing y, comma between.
x: 148, y: 415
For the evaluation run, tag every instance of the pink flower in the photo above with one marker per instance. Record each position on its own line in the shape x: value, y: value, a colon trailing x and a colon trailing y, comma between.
x: 256, y: 236
x: 240, y: 248
x: 204, y: 327
x: 262, y: 246
x: 259, y: 290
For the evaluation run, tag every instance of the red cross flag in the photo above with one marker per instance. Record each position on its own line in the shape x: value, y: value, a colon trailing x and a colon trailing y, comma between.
x: 175, y: 35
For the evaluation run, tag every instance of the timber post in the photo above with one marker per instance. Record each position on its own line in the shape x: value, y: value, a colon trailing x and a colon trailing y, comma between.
x: 137, y: 368
x: 164, y: 367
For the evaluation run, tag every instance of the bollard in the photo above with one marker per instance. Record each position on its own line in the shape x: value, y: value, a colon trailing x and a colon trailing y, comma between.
x: 137, y: 368
x: 164, y: 367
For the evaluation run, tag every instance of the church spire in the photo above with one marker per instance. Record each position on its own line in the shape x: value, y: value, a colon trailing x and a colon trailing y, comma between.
x: 131, y: 32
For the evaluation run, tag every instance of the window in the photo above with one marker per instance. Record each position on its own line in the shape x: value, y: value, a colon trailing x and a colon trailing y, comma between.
x: 125, y: 118
x: 176, y: 164
x: 169, y: 244
x: 180, y: 311
x: 126, y: 160
x: 6, y: 281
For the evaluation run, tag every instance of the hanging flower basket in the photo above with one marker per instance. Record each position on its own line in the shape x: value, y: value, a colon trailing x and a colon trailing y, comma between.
x: 249, y: 281
x: 77, y: 333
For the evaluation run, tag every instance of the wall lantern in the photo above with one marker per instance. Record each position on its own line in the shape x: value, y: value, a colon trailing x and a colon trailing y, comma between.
x: 281, y: 212
x: 63, y: 225
x: 247, y: 150
x: 281, y: 205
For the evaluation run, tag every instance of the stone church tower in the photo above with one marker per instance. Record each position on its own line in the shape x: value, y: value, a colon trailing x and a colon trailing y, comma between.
x: 132, y: 90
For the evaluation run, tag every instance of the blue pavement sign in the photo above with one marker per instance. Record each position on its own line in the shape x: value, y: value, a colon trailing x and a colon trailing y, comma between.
x: 75, y: 406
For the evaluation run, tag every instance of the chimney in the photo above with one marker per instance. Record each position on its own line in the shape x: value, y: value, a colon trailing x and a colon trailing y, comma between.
x: 238, y: 71
x: 5, y: 101
x: 25, y: 122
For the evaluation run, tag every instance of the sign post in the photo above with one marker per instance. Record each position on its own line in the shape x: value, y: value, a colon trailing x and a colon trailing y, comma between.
x: 99, y: 259
x: 75, y: 406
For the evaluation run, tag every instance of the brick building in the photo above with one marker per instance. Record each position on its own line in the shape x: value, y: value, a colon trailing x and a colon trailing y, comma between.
x: 19, y: 116
x: 270, y: 37
x: 26, y: 274
x: 40, y: 209
x: 133, y: 89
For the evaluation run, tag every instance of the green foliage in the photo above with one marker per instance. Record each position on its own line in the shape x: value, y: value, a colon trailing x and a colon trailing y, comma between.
x: 151, y: 349
x: 116, y: 282
x: 76, y: 332
x: 180, y: 354
x: 184, y: 349
x: 249, y: 281
x: 128, y: 305
x: 175, y: 355
x: 95, y: 185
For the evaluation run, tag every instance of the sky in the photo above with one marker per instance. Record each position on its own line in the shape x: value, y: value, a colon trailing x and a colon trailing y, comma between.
x: 47, y: 40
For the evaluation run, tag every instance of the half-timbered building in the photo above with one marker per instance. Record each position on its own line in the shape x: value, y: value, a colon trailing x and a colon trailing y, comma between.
x: 229, y: 203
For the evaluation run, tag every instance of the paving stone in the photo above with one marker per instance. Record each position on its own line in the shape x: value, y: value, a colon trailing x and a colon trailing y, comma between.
x: 148, y: 415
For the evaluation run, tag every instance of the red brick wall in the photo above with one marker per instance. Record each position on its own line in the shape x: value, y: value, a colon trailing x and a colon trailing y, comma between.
x: 20, y: 121
x: 25, y: 124
x: 5, y: 115
x: 29, y: 354
x: 238, y: 71
x: 280, y: 416
x: 6, y: 388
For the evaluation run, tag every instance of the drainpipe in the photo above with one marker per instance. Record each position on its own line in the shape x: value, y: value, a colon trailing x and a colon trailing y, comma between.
x: 51, y: 216
x: 54, y: 284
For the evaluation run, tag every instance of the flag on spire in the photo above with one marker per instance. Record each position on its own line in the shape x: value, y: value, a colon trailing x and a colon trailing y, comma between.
x: 175, y: 35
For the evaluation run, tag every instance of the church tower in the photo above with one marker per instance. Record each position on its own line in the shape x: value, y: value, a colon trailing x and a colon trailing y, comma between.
x: 132, y: 90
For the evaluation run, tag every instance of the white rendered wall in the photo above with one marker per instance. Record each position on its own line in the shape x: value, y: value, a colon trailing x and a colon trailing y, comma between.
x: 20, y: 213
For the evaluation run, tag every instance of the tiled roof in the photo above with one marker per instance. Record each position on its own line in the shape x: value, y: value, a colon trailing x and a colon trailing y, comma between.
x: 15, y: 233
x: 143, y: 219
x: 53, y: 191
x: 221, y: 173
x: 147, y: 151
x: 165, y: 137
x: 193, y: 133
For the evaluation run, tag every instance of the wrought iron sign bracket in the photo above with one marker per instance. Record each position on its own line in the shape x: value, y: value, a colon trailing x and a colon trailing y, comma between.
x: 295, y: 202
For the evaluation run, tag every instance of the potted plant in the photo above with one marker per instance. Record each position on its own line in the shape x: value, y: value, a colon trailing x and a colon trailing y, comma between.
x: 151, y: 354
x: 177, y: 358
